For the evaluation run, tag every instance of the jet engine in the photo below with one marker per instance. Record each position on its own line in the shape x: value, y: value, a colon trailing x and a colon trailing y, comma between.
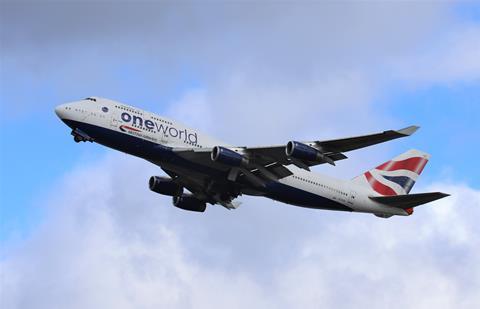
x: 189, y: 202
x: 165, y: 186
x: 227, y: 156
x: 304, y: 152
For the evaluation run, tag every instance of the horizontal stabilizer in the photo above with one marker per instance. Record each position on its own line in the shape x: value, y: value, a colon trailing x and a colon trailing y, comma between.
x: 408, y: 200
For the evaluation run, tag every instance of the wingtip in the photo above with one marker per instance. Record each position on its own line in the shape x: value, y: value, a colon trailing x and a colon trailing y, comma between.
x: 408, y: 130
x: 441, y: 195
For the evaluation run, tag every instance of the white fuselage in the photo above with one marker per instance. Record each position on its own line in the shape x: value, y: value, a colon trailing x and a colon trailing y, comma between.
x: 136, y: 123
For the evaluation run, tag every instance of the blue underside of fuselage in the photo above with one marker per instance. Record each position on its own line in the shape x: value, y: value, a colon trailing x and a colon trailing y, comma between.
x: 158, y: 153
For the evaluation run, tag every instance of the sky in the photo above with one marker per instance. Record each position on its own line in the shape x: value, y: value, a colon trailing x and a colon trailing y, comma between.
x: 79, y: 227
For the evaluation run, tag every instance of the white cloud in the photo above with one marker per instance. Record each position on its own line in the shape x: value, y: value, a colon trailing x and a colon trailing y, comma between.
x: 452, y: 58
x: 423, y: 261
x: 114, y: 244
x: 194, y: 109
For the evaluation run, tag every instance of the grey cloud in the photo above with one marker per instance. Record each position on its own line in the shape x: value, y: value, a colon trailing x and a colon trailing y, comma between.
x: 283, y: 42
x: 328, y: 58
x: 75, y: 47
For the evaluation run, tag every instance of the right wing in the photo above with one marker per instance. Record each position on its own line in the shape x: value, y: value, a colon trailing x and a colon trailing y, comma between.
x: 332, y: 150
x: 269, y: 163
x: 352, y: 143
x: 264, y: 164
x: 274, y: 158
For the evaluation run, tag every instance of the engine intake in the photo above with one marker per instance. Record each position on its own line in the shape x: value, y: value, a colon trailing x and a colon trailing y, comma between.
x: 227, y: 156
x: 165, y: 186
x: 304, y: 152
x: 189, y: 202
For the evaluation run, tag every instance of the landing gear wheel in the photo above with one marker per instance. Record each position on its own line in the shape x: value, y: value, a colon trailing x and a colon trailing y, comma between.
x: 77, y: 139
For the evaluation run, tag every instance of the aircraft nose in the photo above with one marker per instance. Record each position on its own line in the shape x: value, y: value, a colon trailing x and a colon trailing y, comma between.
x: 60, y: 110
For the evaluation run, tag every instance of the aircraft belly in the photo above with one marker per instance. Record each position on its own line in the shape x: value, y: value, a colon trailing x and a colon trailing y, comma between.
x: 298, y: 197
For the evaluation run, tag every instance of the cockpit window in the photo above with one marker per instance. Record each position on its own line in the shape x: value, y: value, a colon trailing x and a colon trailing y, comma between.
x: 91, y: 99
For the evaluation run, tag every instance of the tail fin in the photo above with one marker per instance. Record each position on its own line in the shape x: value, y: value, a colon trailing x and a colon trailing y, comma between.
x: 397, y: 176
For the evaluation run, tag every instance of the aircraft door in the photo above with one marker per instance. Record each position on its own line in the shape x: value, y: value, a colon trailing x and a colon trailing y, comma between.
x: 351, y: 197
x: 163, y: 138
x: 115, y: 121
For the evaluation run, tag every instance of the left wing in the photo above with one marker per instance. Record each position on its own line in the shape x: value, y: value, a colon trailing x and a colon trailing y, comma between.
x: 267, y: 167
x: 210, y: 190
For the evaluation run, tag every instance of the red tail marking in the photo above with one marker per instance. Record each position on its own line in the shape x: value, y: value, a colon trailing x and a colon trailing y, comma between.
x: 378, y: 186
x: 415, y: 164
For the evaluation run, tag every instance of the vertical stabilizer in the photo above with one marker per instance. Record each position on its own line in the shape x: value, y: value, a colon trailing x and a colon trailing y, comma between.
x: 397, y: 176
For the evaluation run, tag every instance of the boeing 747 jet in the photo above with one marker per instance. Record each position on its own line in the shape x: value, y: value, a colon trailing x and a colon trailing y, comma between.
x: 217, y: 173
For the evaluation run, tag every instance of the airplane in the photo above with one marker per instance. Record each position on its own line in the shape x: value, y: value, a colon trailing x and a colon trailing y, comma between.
x: 217, y: 173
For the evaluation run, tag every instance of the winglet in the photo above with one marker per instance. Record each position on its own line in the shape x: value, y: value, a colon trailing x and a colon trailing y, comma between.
x: 408, y: 130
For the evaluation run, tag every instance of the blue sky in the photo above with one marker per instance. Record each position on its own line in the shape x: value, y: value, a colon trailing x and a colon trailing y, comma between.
x: 258, y: 75
x: 450, y: 126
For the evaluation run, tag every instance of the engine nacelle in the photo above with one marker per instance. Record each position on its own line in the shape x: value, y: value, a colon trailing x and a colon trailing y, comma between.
x: 189, y: 202
x: 164, y: 185
x: 301, y: 151
x: 227, y: 156
x: 384, y: 216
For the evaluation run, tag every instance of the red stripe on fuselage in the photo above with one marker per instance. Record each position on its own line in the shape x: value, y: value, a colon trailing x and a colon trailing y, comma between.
x: 132, y: 129
x: 415, y: 164
x: 378, y: 186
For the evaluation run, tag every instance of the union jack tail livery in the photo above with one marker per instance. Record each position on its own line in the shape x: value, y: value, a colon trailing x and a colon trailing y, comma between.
x: 397, y: 176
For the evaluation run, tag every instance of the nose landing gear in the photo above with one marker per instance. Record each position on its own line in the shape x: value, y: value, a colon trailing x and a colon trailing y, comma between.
x: 80, y: 136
